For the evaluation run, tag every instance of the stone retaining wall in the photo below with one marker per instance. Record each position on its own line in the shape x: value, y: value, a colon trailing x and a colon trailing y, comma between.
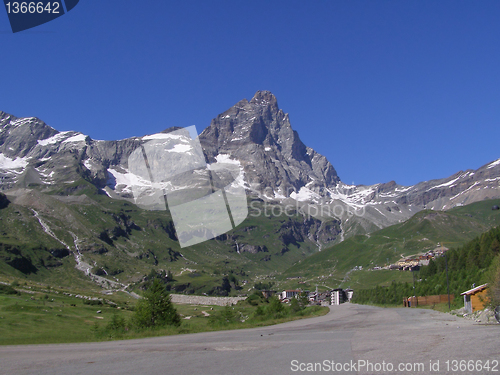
x: 203, y: 300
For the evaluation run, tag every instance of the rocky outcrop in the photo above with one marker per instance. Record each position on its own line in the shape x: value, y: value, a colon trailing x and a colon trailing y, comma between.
x: 4, y: 202
x: 252, y: 249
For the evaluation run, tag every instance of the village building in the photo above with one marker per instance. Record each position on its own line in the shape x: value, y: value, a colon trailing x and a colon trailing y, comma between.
x: 408, y: 264
x: 349, y: 293
x: 332, y: 297
x: 287, y: 294
x: 338, y: 296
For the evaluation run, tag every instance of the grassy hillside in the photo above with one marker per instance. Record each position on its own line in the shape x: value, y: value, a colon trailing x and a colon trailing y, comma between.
x: 123, y: 242
x: 424, y: 231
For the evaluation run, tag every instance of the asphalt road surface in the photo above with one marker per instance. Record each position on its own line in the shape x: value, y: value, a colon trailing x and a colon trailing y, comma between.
x: 351, y: 339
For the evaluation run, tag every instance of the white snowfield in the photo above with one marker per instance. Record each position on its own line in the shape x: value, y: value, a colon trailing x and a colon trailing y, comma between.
x: 54, y: 139
x: 495, y: 163
x: 76, y: 138
x: 304, y: 195
x: 162, y: 136
x: 8, y: 163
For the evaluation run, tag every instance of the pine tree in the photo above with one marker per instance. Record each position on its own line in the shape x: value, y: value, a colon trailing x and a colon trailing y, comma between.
x: 156, y: 308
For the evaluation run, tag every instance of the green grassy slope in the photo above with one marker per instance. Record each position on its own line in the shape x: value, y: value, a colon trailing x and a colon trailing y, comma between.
x: 37, y: 315
x: 127, y: 242
x: 424, y: 231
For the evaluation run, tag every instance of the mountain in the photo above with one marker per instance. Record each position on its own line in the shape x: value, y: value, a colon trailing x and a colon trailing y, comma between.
x: 280, y: 168
x: 65, y: 202
x: 259, y: 135
x: 41, y: 168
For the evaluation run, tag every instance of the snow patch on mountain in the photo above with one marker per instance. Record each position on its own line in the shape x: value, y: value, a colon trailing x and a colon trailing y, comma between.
x: 91, y: 165
x: 226, y: 158
x: 8, y: 163
x: 466, y: 190
x: 355, y: 196
x: 305, y: 194
x: 54, y: 139
x: 22, y: 121
x: 446, y: 184
x: 76, y: 138
x: 279, y: 195
x: 164, y: 136
x: 495, y: 163
x: 125, y: 180
x: 180, y: 148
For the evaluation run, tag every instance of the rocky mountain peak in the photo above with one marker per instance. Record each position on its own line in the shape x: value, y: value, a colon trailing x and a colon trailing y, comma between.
x: 18, y: 136
x: 259, y: 135
x: 265, y: 98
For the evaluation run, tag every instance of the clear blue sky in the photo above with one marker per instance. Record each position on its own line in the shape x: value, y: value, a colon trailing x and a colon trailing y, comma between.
x: 386, y: 90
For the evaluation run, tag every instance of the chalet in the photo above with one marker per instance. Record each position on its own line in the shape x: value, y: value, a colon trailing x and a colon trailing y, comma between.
x: 324, y: 298
x: 312, y: 296
x: 475, y: 298
x: 407, y: 264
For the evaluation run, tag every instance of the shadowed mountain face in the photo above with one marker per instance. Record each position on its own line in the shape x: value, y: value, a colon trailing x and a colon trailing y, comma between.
x: 255, y: 136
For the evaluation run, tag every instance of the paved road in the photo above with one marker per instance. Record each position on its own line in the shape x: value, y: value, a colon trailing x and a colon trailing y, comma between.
x: 348, y: 335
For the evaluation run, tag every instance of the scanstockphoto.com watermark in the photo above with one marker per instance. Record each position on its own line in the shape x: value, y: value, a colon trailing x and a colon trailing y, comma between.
x: 383, y: 367
x: 316, y: 210
x: 357, y: 366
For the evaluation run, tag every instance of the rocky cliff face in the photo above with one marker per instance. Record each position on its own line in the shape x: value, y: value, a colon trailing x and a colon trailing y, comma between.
x: 4, y: 202
x: 258, y: 134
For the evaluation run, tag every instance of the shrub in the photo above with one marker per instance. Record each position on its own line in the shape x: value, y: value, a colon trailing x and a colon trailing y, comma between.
x: 117, y: 323
x: 259, y: 312
x: 275, y: 308
x: 7, y: 289
x: 92, y: 302
x: 256, y: 298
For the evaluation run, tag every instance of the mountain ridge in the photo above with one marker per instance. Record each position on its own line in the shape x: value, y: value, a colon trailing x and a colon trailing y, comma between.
x: 53, y: 180
x: 257, y: 135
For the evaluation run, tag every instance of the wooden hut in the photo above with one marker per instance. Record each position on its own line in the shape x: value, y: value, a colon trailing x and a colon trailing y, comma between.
x: 475, y: 298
